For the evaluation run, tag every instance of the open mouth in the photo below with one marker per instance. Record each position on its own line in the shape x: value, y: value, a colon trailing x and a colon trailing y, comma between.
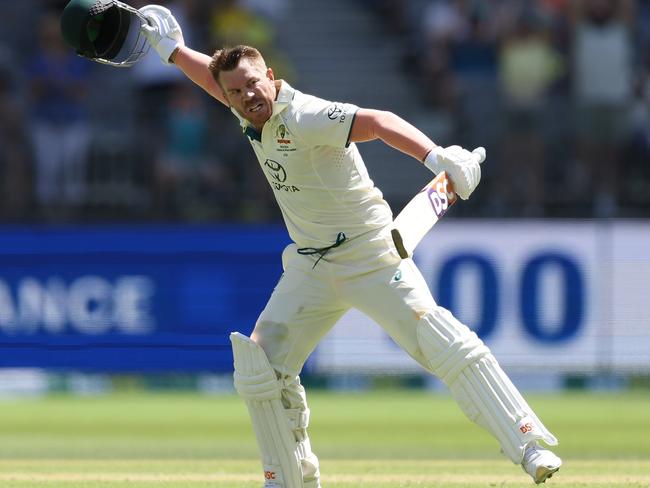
x: 256, y: 108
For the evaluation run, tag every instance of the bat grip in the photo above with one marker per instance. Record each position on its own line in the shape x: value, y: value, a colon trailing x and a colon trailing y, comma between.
x: 479, y: 154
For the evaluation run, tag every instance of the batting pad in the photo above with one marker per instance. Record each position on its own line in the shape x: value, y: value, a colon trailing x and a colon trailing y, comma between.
x: 256, y: 383
x: 483, y: 391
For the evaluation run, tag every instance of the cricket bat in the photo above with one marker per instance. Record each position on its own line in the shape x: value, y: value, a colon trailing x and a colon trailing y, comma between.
x: 424, y: 210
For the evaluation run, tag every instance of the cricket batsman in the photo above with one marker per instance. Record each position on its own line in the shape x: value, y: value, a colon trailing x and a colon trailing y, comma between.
x: 343, y: 253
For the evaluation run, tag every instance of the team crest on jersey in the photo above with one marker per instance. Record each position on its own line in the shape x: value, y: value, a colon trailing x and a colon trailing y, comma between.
x: 281, y: 134
x: 283, y: 139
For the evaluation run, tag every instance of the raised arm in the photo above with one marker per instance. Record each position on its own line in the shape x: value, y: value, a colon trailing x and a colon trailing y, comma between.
x: 195, y: 66
x: 164, y: 34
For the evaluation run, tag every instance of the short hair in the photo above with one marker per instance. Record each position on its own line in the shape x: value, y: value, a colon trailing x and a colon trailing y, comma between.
x: 228, y: 58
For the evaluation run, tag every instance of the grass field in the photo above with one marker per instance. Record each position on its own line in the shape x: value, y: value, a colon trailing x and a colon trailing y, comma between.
x: 381, y: 440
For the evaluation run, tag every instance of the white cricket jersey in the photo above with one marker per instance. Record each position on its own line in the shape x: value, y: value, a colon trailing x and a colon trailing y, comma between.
x: 319, y: 179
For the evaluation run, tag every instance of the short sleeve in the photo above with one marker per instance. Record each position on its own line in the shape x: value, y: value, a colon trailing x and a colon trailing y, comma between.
x: 323, y: 123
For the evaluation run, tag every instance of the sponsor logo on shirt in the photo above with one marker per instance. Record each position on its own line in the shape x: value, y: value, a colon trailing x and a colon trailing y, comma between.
x: 278, y: 176
x: 276, y: 171
x: 337, y: 111
x: 334, y: 111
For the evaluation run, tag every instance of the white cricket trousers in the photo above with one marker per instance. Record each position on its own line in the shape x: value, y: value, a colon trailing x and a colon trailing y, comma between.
x: 366, y: 273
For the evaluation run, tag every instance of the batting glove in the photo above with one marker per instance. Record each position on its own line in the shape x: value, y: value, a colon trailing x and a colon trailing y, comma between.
x: 162, y: 32
x: 462, y: 166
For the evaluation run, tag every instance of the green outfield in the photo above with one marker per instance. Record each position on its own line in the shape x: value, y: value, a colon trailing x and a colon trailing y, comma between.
x: 381, y: 440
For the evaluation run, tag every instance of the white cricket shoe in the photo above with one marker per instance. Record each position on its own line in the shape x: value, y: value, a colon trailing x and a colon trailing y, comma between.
x: 540, y: 463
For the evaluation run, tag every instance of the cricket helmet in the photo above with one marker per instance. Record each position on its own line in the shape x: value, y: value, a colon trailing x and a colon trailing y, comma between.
x: 106, y: 31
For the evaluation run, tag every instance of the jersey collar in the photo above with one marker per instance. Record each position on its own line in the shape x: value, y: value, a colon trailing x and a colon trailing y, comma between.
x: 282, y: 101
x: 284, y: 98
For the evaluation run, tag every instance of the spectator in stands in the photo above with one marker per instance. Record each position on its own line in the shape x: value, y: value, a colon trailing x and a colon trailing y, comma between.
x: 393, y: 14
x: 274, y: 11
x: 233, y: 23
x: 191, y: 183
x: 528, y: 66
x: 155, y: 83
x: 442, y: 24
x: 15, y: 156
x: 58, y: 88
x: 471, y: 37
x: 602, y: 73
x: 636, y: 171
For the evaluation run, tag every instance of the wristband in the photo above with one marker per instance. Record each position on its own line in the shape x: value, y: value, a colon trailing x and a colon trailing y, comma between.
x: 172, y: 56
x: 166, y: 48
x: 432, y: 161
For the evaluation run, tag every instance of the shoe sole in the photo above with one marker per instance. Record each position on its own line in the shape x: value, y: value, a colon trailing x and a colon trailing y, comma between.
x: 545, y: 472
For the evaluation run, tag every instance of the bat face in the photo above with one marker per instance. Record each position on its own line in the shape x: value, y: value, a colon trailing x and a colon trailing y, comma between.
x: 441, y: 194
x: 424, y: 210
x: 421, y: 213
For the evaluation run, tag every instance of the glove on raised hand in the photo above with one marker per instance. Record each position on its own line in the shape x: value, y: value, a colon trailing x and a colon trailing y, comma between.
x: 462, y: 166
x: 162, y: 32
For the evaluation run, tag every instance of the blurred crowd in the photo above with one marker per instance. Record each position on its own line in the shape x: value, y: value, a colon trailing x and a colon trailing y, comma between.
x: 80, y: 141
x: 557, y: 90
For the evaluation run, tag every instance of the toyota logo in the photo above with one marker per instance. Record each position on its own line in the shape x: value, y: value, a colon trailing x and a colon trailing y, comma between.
x: 334, y: 112
x: 277, y: 171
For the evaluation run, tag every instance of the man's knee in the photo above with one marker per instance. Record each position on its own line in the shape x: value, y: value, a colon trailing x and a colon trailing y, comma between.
x: 273, y: 338
x: 448, y: 346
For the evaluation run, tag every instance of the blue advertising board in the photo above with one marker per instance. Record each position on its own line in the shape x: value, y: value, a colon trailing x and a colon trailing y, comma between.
x: 150, y: 298
x: 565, y: 297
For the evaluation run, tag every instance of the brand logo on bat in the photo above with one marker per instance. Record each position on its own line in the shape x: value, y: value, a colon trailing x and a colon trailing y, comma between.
x: 440, y: 196
x: 269, y: 475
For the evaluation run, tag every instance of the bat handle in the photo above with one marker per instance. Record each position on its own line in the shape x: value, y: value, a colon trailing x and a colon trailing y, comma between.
x: 479, y: 152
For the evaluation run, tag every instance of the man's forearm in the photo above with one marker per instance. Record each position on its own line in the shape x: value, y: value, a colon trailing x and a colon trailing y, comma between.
x: 195, y: 65
x: 393, y: 130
